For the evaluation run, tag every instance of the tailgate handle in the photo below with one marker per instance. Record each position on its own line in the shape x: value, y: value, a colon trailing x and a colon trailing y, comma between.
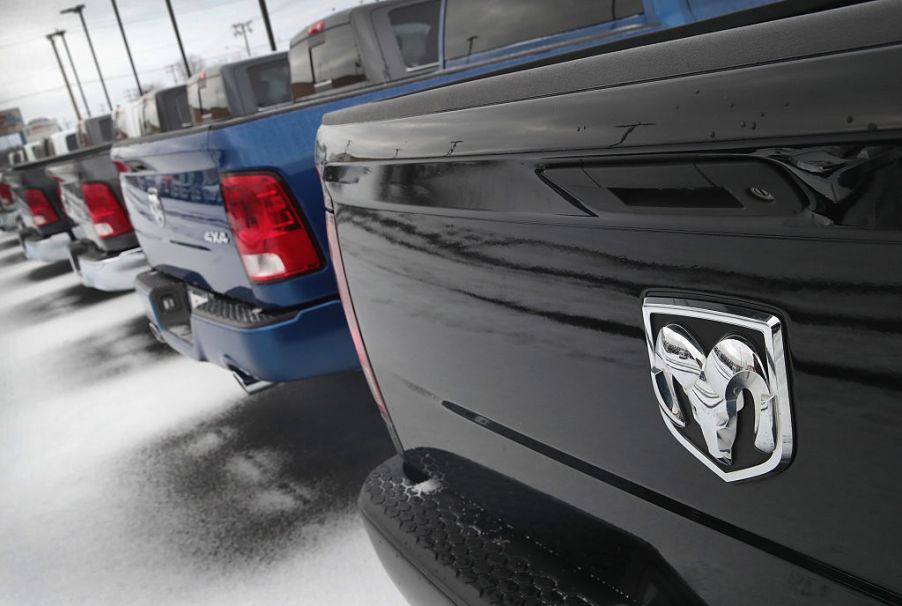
x: 726, y: 187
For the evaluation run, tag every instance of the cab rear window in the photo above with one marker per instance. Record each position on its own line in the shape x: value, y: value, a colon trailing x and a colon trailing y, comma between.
x: 174, y: 112
x: 301, y: 70
x: 207, y: 98
x: 474, y: 26
x: 270, y: 82
x: 105, y: 128
x: 150, y: 122
x: 326, y: 60
x: 336, y: 59
x: 416, y: 28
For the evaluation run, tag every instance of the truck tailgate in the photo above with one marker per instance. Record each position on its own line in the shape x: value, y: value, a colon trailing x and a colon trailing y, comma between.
x: 499, y: 257
x: 175, y: 202
x: 92, y: 165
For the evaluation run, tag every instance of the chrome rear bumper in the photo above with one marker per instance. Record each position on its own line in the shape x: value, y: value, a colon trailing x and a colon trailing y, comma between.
x: 9, y: 220
x: 47, y: 249
x: 109, y: 273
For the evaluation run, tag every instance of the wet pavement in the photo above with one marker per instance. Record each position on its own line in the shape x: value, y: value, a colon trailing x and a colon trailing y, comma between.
x: 131, y: 475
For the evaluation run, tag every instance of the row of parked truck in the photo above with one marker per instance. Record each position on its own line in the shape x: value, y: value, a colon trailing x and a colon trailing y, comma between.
x: 566, y: 243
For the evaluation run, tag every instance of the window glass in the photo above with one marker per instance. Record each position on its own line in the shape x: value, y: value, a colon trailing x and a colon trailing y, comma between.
x: 301, y: 70
x: 83, y: 137
x: 270, y: 82
x: 173, y: 105
x: 106, y: 129
x: 72, y: 142
x: 416, y: 30
x: 150, y: 122
x: 207, y: 99
x: 183, y: 112
x: 337, y: 59
x: 473, y: 26
x: 120, y: 116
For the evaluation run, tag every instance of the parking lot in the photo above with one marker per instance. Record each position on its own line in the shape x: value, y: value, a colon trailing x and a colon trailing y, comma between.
x: 133, y: 475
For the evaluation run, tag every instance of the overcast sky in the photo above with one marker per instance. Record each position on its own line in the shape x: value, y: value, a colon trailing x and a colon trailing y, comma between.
x: 30, y: 78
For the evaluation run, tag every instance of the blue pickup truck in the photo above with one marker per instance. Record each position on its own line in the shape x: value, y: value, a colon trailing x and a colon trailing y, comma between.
x: 230, y: 213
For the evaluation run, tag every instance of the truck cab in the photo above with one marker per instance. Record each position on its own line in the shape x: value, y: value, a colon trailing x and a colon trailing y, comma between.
x: 95, y: 131
x: 165, y: 110
x: 127, y: 120
x: 240, y: 88
x: 63, y: 142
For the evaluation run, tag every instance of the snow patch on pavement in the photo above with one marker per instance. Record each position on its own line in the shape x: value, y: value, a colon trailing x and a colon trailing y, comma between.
x: 430, y: 486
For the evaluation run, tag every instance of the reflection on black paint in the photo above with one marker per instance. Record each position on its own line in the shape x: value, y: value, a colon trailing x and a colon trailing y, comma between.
x: 516, y: 303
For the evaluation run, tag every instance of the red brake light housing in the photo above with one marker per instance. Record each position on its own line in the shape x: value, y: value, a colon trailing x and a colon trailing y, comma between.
x: 6, y: 194
x: 345, y: 295
x: 271, y: 236
x: 316, y: 28
x: 107, y: 214
x: 42, y: 212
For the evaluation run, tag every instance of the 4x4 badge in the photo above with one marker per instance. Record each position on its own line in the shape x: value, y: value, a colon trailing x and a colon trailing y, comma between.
x: 701, y: 395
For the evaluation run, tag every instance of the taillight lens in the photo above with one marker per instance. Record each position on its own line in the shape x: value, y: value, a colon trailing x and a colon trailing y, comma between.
x: 42, y: 211
x: 6, y: 194
x: 107, y: 214
x: 356, y: 335
x: 272, y: 239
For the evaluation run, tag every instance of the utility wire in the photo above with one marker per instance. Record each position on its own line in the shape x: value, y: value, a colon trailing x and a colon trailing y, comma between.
x: 113, y: 24
x: 121, y: 76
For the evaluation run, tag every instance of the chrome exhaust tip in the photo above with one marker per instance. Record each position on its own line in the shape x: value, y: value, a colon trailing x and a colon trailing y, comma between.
x: 156, y: 333
x: 251, y: 385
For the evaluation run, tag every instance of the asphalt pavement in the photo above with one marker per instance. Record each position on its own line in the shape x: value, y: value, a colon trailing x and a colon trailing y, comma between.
x: 131, y: 475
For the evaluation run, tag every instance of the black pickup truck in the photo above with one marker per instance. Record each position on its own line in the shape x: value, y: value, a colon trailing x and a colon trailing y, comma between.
x: 633, y: 320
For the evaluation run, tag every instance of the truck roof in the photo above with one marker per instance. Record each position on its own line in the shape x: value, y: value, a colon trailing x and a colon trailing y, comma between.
x: 215, y: 70
x: 338, y: 18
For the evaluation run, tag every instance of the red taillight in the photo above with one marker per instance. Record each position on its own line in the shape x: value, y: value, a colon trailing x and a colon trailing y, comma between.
x: 316, y: 27
x: 107, y: 214
x: 41, y: 210
x: 6, y: 194
x: 272, y: 239
x: 346, y: 303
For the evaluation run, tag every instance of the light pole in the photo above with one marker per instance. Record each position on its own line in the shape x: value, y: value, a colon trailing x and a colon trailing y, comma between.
x: 79, y: 10
x: 62, y: 34
x: 59, y: 62
x: 127, y: 49
x: 178, y: 38
x: 268, y: 25
x: 242, y: 29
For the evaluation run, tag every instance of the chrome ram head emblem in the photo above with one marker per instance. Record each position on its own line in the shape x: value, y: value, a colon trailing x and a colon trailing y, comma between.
x: 701, y: 395
x: 155, y: 205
